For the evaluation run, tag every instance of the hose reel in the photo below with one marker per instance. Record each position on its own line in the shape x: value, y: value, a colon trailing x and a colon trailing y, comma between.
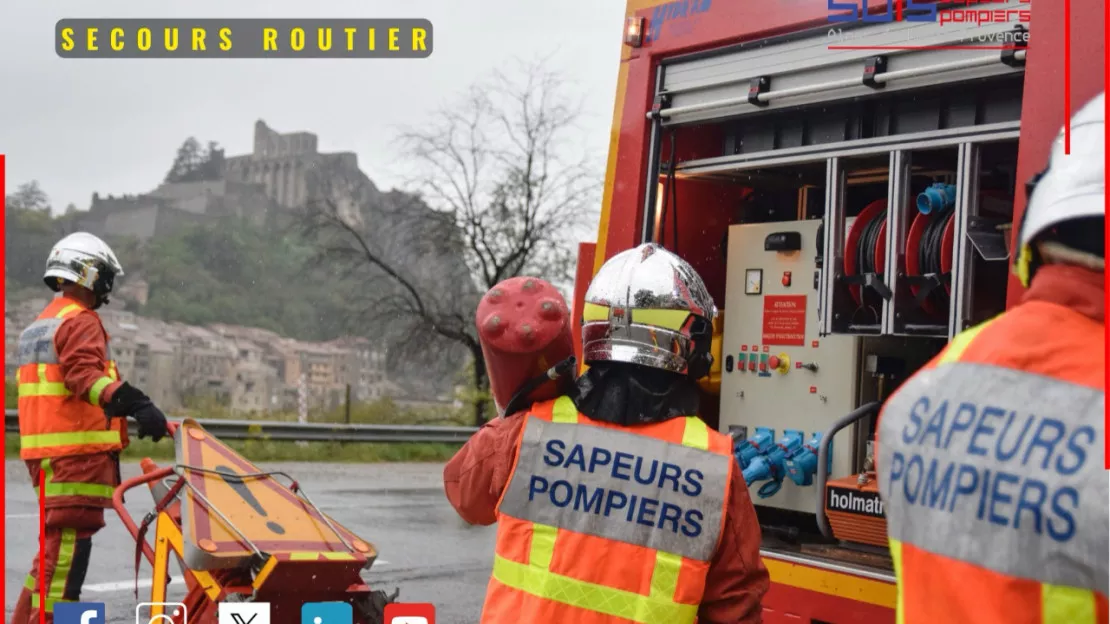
x: 929, y: 249
x: 865, y: 259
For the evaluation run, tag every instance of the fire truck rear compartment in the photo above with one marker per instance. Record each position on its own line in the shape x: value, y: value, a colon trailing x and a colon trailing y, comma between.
x: 847, y: 232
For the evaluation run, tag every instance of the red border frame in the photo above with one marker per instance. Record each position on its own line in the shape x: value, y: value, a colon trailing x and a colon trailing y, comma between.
x: 1106, y: 288
x: 3, y: 465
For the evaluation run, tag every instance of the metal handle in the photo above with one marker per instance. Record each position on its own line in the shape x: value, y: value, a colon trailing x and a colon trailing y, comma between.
x: 768, y: 96
x: 823, y: 459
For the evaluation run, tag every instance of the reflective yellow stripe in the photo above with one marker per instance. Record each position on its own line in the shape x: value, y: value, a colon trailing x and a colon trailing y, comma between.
x: 65, y: 563
x: 76, y: 438
x: 29, y: 583
x: 71, y: 489
x: 543, y: 546
x: 1067, y: 605
x: 97, y: 388
x: 664, y: 578
x: 896, y: 557
x: 50, y: 602
x: 594, y: 312
x: 69, y: 308
x: 664, y: 319
x: 43, y: 389
x: 77, y: 489
x: 696, y: 434
x: 564, y: 411
x: 338, y: 556
x: 57, y: 590
x: 597, y: 598
x: 960, y: 343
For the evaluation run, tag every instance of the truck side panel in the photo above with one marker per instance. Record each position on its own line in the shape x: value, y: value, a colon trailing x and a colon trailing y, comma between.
x: 717, y: 23
x: 1043, y: 112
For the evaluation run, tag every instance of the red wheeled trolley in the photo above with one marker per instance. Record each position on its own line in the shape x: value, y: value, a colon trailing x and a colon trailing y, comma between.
x: 241, y: 535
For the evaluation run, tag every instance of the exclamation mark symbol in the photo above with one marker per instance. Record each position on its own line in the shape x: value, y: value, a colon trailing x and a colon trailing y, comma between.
x: 236, y: 483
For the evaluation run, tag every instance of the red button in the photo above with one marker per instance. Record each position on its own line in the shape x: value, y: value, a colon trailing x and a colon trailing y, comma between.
x: 751, y: 366
x: 773, y: 361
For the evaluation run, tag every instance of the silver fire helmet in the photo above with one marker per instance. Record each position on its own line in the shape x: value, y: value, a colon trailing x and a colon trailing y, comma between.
x: 649, y: 307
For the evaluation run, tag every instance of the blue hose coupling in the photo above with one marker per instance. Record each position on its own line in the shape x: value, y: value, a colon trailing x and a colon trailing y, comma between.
x: 753, y: 447
x: 936, y: 198
x: 759, y: 469
x: 802, y: 465
x: 770, y: 467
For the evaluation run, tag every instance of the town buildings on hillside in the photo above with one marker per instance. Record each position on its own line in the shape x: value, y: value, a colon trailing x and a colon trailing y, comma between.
x: 249, y: 369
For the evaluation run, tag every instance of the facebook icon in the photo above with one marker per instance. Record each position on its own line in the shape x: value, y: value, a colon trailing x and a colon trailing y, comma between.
x: 79, y: 613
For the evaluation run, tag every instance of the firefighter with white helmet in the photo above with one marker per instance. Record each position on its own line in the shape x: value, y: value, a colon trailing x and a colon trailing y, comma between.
x: 991, y: 458
x: 72, y: 410
x: 614, y: 502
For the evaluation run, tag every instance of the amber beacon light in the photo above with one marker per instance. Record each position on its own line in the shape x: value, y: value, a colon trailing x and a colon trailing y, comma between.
x: 634, y: 31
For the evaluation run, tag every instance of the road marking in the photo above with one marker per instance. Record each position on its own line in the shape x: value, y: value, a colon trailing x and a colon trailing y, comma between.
x: 103, y: 588
x: 115, y: 586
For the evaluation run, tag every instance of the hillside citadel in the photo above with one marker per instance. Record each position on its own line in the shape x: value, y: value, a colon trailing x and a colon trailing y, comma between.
x: 282, y: 173
x: 248, y: 369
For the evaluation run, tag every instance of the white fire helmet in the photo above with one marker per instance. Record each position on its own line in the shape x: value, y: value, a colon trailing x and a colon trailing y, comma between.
x: 85, y: 260
x: 1072, y: 187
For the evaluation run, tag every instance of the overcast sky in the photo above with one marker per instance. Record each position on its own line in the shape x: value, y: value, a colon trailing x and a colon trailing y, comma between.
x: 112, y: 126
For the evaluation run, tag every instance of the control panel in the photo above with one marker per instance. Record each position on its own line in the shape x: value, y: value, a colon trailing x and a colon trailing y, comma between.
x: 787, y: 384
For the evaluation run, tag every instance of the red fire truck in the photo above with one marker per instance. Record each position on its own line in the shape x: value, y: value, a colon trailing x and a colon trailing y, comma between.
x: 846, y: 176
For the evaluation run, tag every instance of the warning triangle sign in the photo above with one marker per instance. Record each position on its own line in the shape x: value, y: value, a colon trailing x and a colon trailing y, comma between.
x: 227, y: 509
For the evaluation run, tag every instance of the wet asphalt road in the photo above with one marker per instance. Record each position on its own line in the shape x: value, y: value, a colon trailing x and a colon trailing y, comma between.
x: 424, y: 548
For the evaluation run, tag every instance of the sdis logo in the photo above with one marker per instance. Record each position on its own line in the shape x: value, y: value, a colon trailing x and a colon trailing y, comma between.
x: 896, y: 11
x: 675, y: 13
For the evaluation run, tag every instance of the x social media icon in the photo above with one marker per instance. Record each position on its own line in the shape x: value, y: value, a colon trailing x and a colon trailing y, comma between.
x: 244, y: 613
x: 327, y: 613
x: 79, y: 613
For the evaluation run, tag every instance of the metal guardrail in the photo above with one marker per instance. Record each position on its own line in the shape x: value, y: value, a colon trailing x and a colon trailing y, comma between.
x: 310, y: 432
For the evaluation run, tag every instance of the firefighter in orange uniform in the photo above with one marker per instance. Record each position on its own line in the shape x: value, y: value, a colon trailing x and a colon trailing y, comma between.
x: 72, y: 407
x: 614, y: 502
x: 991, y: 458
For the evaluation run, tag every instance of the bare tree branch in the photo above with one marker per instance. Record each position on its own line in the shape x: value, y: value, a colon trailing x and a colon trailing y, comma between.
x: 496, y: 186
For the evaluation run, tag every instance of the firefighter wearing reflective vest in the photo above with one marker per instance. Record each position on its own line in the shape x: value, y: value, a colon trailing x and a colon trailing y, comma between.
x: 991, y: 458
x: 72, y: 407
x: 615, y: 503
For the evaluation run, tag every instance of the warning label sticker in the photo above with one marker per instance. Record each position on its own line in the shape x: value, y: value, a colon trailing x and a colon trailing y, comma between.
x: 784, y: 320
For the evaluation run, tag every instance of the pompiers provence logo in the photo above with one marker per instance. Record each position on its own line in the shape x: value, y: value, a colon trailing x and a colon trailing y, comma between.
x: 677, y: 16
x: 973, y: 11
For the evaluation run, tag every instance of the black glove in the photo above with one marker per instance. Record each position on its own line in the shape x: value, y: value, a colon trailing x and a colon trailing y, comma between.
x: 130, y: 401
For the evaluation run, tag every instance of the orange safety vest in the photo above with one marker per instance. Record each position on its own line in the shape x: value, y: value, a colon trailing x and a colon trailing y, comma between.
x: 991, y: 471
x: 53, y: 422
x: 603, y: 524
